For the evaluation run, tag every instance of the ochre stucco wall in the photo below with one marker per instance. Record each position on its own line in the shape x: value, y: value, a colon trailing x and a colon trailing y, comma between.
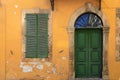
x: 57, y: 68
x: 2, y: 43
x: 109, y: 9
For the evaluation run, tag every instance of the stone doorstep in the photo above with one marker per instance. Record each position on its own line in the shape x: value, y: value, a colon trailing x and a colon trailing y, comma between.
x: 88, y: 79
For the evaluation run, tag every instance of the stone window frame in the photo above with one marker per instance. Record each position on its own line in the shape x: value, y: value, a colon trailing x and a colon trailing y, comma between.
x: 36, y: 11
x: 118, y: 34
x: 88, y: 8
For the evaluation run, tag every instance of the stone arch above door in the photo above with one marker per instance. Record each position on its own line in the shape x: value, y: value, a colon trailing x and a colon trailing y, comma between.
x: 88, y: 8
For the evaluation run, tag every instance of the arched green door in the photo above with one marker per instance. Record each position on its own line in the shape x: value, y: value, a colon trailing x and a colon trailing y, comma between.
x: 88, y: 50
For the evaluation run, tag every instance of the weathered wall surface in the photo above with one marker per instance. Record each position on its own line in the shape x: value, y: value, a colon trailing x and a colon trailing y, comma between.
x: 109, y: 9
x: 2, y: 42
x: 11, y: 65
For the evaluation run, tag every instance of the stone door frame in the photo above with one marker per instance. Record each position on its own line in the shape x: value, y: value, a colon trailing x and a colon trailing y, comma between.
x: 88, y: 8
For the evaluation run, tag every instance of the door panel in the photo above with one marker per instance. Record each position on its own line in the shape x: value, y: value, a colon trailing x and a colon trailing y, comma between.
x: 81, y: 70
x: 81, y: 53
x: 94, y: 38
x: 88, y: 53
x: 95, y: 70
x: 95, y: 42
x: 94, y: 56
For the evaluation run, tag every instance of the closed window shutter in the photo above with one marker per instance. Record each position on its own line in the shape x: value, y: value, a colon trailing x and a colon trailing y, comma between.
x: 31, y: 35
x: 42, y: 35
x: 36, y: 35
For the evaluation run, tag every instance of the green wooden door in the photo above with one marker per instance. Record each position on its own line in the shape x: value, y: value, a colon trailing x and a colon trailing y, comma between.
x: 88, y: 53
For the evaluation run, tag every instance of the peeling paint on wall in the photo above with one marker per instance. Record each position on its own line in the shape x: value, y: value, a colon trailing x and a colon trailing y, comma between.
x: 39, y: 67
x: 54, y: 69
x: 27, y: 68
x: 48, y: 64
x: 21, y: 64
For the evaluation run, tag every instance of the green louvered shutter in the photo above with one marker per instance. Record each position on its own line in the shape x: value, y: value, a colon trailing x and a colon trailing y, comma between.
x: 31, y: 36
x: 42, y: 35
x: 36, y: 35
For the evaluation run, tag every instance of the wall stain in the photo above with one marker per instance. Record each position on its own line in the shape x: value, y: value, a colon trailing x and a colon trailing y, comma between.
x: 61, y: 51
x: 11, y: 52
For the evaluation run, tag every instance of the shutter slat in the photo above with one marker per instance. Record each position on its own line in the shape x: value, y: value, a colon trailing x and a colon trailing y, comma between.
x: 31, y: 37
x: 31, y: 24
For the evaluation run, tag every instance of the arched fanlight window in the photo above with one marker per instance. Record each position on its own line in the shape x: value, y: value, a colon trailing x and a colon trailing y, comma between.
x: 88, y: 20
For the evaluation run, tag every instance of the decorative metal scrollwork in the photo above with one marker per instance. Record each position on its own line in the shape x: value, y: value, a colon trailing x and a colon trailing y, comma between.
x: 88, y: 20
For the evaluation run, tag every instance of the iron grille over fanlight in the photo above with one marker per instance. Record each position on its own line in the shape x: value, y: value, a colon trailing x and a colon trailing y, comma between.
x: 88, y: 20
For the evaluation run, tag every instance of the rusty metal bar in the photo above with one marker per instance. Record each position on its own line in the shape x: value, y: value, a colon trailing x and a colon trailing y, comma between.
x: 99, y: 4
x: 52, y: 4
